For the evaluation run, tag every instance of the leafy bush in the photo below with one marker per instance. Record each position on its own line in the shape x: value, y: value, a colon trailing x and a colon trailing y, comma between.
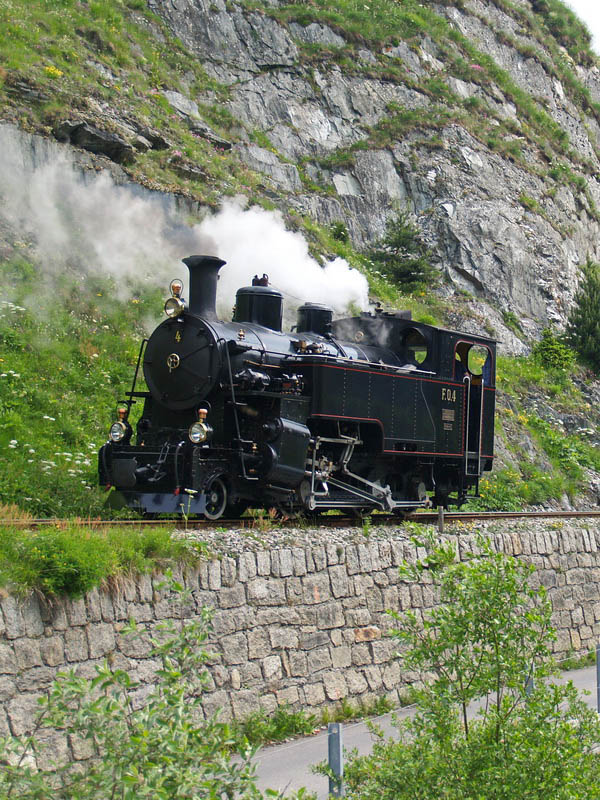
x: 71, y: 561
x: 402, y: 255
x: 259, y: 727
x: 552, y: 352
x: 161, y: 749
x: 583, y: 329
x: 483, y: 640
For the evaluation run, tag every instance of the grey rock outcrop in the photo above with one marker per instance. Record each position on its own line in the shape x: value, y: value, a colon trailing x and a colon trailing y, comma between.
x: 496, y: 228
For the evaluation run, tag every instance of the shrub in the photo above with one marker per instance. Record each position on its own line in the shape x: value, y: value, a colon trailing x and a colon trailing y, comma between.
x: 403, y: 256
x: 552, y: 352
x: 258, y: 727
x: 163, y: 748
x: 482, y: 640
x: 583, y: 328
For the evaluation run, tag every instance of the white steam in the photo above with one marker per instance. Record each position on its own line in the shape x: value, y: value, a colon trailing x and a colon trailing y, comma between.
x: 82, y: 221
x: 254, y: 241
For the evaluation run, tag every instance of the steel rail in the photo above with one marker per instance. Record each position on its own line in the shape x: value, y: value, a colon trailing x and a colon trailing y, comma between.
x: 335, y: 521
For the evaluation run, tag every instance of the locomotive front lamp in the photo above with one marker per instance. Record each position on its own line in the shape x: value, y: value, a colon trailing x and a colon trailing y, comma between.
x: 119, y: 429
x: 174, y: 307
x: 200, y: 431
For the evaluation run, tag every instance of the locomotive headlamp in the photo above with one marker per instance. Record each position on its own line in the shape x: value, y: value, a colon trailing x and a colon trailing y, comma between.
x: 117, y: 432
x: 174, y: 307
x: 120, y: 429
x: 200, y: 431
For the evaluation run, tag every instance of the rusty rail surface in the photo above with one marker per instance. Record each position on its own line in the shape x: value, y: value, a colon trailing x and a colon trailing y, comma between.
x: 333, y: 521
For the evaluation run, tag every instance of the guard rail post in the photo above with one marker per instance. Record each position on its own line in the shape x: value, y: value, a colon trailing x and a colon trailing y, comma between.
x: 336, y: 759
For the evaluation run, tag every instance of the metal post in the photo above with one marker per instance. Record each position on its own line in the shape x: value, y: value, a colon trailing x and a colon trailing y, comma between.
x: 529, y: 684
x: 336, y: 759
x: 441, y: 519
x: 598, y: 677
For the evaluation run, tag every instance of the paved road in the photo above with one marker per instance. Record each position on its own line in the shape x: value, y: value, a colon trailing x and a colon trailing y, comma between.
x: 286, y: 767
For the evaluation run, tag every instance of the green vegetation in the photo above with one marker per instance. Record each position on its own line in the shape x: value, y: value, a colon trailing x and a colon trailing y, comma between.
x: 554, y: 462
x: 530, y: 203
x: 262, y: 728
x: 75, y: 56
x: 66, y: 360
x: 402, y: 256
x: 487, y: 638
x: 552, y: 352
x: 583, y: 330
x: 70, y: 561
x: 161, y: 749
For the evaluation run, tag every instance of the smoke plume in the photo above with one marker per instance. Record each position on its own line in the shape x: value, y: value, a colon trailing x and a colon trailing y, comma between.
x: 83, y: 222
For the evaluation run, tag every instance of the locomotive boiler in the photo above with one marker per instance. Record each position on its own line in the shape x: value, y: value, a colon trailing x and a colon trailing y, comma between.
x: 375, y: 411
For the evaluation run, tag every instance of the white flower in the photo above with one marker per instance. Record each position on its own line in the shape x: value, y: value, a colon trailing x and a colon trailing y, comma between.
x: 14, y: 441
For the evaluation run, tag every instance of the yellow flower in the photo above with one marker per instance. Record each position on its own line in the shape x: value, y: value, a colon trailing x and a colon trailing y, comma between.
x: 52, y: 71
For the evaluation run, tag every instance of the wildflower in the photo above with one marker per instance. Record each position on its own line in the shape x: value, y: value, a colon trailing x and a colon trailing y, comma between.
x: 52, y: 71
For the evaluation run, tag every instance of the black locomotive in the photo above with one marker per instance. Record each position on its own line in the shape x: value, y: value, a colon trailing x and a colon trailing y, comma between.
x: 370, y: 412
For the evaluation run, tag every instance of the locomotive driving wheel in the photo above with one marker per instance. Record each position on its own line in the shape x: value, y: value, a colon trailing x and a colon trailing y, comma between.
x: 216, y: 499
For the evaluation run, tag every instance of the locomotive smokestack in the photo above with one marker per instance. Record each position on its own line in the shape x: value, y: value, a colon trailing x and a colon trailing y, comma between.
x: 204, y: 272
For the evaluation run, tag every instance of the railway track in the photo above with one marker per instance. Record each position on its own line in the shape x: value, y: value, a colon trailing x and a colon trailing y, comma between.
x: 332, y: 521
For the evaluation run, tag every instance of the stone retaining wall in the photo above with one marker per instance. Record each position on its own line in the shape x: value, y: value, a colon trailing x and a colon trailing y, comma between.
x: 301, y: 622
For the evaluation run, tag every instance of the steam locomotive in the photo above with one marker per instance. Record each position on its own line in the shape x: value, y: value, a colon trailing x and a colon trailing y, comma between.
x: 375, y: 411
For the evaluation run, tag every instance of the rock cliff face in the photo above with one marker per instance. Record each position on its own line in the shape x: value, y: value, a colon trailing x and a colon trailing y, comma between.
x: 503, y: 224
